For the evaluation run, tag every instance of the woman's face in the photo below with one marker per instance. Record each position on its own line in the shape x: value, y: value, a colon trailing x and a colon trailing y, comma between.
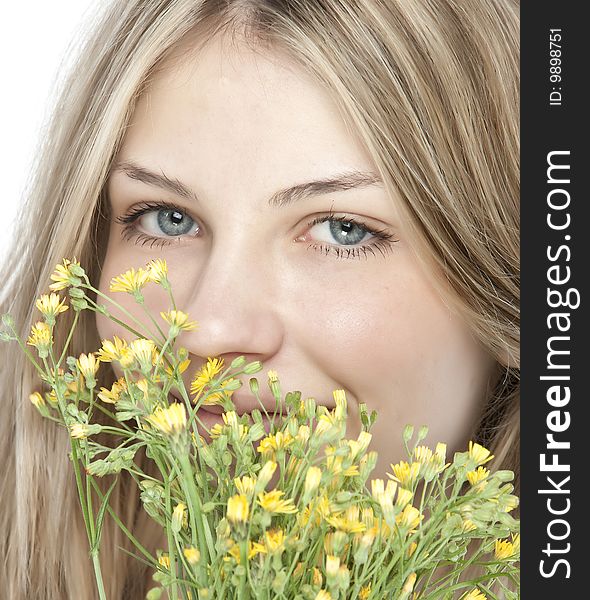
x: 282, y: 243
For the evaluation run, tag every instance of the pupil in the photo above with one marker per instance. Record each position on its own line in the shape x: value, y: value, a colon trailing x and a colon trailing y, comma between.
x: 176, y: 218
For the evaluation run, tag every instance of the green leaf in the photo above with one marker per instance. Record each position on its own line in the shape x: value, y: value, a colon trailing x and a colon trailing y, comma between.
x: 100, y: 517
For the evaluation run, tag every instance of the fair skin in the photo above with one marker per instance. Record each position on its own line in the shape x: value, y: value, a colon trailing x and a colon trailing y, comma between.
x: 328, y: 305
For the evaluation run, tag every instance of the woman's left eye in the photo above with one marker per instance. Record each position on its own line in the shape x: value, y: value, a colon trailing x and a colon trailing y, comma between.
x: 335, y: 231
x: 346, y: 237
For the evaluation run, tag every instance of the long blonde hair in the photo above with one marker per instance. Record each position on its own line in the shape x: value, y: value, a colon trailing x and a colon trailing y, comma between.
x: 431, y: 89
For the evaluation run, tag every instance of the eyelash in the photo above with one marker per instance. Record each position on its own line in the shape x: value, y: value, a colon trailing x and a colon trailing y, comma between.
x: 384, y: 243
x: 384, y: 240
x: 130, y: 231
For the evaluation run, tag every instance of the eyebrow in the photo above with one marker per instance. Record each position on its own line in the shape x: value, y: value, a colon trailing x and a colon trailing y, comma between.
x: 336, y: 183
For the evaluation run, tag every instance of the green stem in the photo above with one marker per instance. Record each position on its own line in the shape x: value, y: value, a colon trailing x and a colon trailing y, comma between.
x: 68, y: 340
x: 98, y: 574
x: 88, y: 520
x: 189, y: 481
x: 122, y: 526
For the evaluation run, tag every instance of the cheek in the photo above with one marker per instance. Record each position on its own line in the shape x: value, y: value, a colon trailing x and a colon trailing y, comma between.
x: 397, y: 348
x: 365, y: 331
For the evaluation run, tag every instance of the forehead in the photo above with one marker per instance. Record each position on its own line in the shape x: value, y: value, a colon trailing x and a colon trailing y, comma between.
x: 249, y: 109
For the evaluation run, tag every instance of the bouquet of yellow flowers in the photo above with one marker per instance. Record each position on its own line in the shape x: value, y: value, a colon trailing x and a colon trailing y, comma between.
x: 273, y: 505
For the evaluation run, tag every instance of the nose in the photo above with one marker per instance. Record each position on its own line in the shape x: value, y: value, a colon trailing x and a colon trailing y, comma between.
x: 235, y: 307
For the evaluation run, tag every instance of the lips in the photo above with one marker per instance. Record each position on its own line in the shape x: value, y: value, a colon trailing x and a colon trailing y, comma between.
x: 212, y: 415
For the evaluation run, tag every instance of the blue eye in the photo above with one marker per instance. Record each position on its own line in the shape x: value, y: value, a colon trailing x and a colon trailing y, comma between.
x: 345, y: 237
x: 156, y: 223
x: 336, y: 231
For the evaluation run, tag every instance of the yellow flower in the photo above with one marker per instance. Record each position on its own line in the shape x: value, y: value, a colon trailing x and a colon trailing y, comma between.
x: 170, y: 421
x: 403, y: 497
x: 111, y: 350
x: 51, y: 398
x: 112, y: 396
x: 479, y: 454
x: 317, y: 579
x: 274, y: 541
x: 422, y: 454
x: 271, y: 444
x: 323, y: 595
x: 409, y: 584
x: 404, y: 473
x: 265, y: 474
x: 340, y: 399
x: 50, y: 306
x: 332, y: 565
x: 217, y: 398
x: 164, y: 561
x: 360, y: 445
x: 272, y: 502
x: 144, y: 351
x: 480, y: 474
x: 40, y: 336
x: 303, y: 434
x: 216, y: 431
x: 504, y: 549
x: 178, y: 321
x: 273, y: 376
x: 347, y: 522
x: 365, y: 592
x: 36, y: 399
x: 206, y: 374
x: 131, y: 281
x: 383, y: 494
x: 326, y: 422
x: 157, y: 271
x: 205, y: 377
x: 510, y: 502
x: 192, y: 555
x: 88, y: 365
x: 468, y: 525
x: 312, y: 481
x: 474, y: 595
x: 181, y: 366
x: 441, y: 452
x: 238, y: 509
x: 368, y: 516
x: 79, y: 431
x: 410, y: 517
x: 178, y: 516
x: 63, y: 276
x: 254, y: 548
x: 245, y: 485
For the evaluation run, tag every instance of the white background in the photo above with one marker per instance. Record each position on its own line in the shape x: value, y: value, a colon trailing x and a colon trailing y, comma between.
x: 35, y: 46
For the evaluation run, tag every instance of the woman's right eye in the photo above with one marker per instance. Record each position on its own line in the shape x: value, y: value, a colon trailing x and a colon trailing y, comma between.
x: 168, y: 222
x: 158, y: 221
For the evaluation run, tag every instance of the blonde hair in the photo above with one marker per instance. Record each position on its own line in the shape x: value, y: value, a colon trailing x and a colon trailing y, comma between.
x: 431, y: 88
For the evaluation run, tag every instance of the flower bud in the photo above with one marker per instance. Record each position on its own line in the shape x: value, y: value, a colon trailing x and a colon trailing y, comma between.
x: 253, y: 367
x: 312, y: 482
x: 265, y: 476
x: 238, y: 362
x: 178, y: 517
